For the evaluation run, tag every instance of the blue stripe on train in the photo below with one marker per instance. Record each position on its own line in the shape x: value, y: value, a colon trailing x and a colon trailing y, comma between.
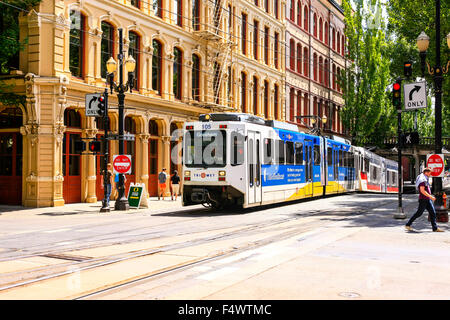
x: 276, y: 175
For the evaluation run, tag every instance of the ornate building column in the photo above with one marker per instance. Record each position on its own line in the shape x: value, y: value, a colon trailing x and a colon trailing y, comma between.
x: 142, y: 165
x: 88, y: 173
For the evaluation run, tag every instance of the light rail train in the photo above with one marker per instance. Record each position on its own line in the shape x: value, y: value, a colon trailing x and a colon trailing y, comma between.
x: 233, y: 159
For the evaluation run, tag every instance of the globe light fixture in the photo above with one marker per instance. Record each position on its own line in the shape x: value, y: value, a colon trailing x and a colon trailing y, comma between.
x: 423, y: 41
x: 111, y: 65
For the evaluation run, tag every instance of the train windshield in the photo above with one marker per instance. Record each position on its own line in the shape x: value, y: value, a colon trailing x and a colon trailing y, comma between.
x: 206, y: 148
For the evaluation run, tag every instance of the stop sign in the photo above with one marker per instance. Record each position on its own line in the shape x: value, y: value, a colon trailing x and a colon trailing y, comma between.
x: 436, y: 163
x: 122, y: 163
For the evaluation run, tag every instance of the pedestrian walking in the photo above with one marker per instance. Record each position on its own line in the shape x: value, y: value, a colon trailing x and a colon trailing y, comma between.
x: 175, y: 183
x: 425, y: 201
x: 109, y: 179
x: 162, y: 178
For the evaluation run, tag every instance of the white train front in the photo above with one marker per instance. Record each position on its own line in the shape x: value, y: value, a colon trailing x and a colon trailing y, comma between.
x: 233, y: 159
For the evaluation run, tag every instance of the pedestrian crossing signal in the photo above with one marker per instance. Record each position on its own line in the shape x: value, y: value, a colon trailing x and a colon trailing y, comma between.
x: 410, y: 138
x: 94, y: 146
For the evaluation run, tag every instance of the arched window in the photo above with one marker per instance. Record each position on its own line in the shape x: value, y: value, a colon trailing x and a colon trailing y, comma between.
x: 299, y: 58
x: 107, y: 46
x: 306, y: 105
x: 320, y: 29
x: 196, y: 77
x: 178, y: 12
x: 244, y: 34
x: 255, y: 95
x: 315, y: 25
x: 305, y: 19
x: 305, y: 62
x: 320, y: 70
x: 275, y: 101
x: 136, y: 3
x: 77, y: 43
x: 333, y: 39
x: 196, y: 14
x: 327, y: 73
x: 338, y: 86
x: 266, y: 98
x: 177, y: 72
x: 315, y: 66
x: 292, y: 54
x: 334, y: 76
x: 244, y: 91
x: 275, y: 9
x: 299, y: 13
x: 156, y: 66
x: 266, y: 45
x: 299, y: 105
x: 157, y: 8
x: 255, y: 39
x: 291, y: 104
x: 338, y: 47
x: 326, y: 33
x: 292, y: 7
x: 133, y: 50
x: 72, y: 118
x: 343, y: 45
x: 276, y: 50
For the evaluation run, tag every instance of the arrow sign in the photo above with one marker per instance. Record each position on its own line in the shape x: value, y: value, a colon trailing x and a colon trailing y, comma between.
x: 415, y: 95
x: 91, y: 104
x: 415, y: 89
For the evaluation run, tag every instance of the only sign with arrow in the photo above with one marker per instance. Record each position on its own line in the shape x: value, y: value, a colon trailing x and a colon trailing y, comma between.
x: 415, y: 95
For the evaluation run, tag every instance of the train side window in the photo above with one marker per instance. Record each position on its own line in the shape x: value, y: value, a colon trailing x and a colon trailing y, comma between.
x: 329, y: 156
x: 269, y: 152
x: 316, y: 155
x: 237, y: 149
x: 250, y: 162
x: 366, y: 165
x: 298, y: 153
x: 341, y: 159
x: 289, y: 152
x: 281, y: 148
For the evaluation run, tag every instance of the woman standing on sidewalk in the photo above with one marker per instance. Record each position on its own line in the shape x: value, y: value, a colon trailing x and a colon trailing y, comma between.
x: 175, y: 182
x: 425, y: 201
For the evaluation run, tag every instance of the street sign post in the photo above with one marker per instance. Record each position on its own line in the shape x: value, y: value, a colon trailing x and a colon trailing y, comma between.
x: 122, y: 163
x: 436, y: 163
x: 92, y: 101
x: 415, y: 95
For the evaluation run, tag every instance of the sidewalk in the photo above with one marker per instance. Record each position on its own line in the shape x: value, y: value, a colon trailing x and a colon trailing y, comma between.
x: 155, y: 206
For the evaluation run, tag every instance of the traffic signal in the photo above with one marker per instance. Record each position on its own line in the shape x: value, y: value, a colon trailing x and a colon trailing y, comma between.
x: 101, y: 106
x: 79, y: 146
x: 396, y: 95
x: 410, y: 138
x: 407, y: 69
x: 95, y: 146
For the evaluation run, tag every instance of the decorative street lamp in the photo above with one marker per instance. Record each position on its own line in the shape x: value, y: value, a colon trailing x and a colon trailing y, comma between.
x: 437, y: 72
x: 314, y: 119
x: 111, y: 66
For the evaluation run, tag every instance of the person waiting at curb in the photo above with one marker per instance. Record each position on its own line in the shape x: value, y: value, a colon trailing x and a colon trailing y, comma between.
x: 175, y: 183
x: 425, y: 201
x: 162, y: 178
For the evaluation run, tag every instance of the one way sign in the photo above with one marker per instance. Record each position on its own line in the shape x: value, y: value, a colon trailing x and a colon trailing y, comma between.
x: 415, y: 95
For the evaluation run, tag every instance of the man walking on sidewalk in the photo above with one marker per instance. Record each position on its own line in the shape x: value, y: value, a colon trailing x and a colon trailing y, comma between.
x: 425, y: 201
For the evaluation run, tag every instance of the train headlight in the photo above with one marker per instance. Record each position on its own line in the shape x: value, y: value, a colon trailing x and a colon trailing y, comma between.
x: 187, y: 173
x: 222, y: 173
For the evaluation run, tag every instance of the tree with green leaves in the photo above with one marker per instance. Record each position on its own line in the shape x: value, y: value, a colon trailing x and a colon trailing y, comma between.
x: 407, y: 19
x: 10, y: 45
x: 368, y: 108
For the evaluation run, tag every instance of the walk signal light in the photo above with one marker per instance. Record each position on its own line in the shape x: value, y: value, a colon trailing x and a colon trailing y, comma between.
x: 94, y: 146
x: 79, y: 146
x: 101, y: 106
x: 397, y: 96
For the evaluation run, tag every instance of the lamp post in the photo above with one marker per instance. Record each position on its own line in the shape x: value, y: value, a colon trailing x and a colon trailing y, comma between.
x: 111, y: 66
x: 437, y: 73
x: 314, y: 119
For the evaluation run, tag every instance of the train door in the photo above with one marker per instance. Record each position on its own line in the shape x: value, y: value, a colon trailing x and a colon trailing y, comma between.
x: 254, y: 167
x: 336, y: 168
x: 309, y: 168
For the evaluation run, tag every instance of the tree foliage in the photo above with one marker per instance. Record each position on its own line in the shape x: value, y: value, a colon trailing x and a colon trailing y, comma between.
x: 407, y: 19
x: 10, y: 45
x: 368, y: 108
